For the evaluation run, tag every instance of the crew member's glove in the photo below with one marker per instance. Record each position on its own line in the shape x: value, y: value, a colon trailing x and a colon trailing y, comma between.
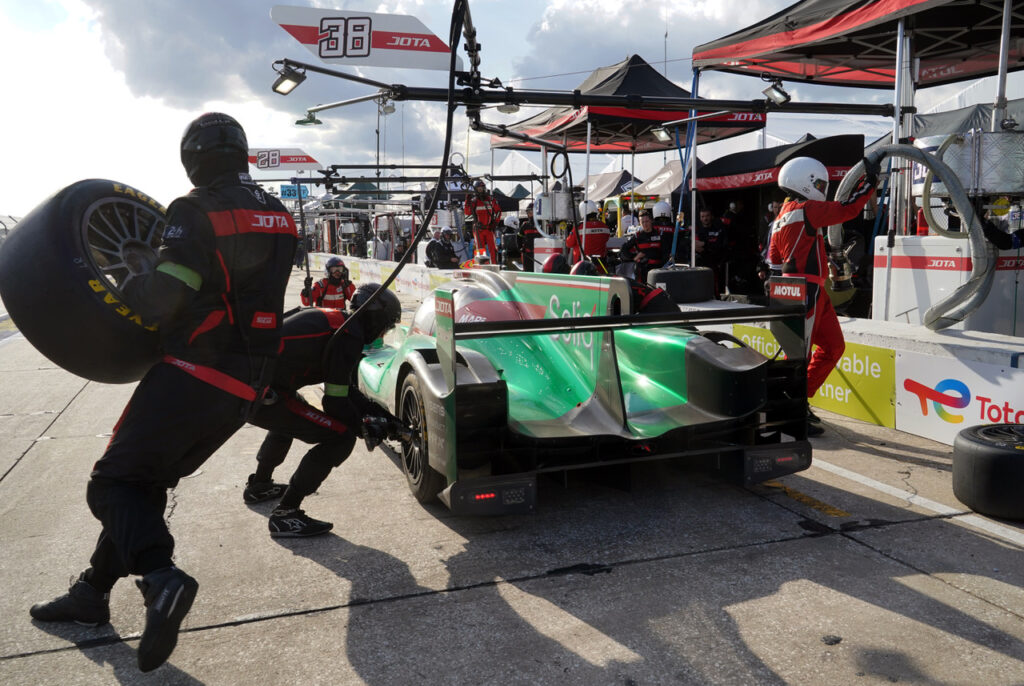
x: 376, y: 429
x: 871, y: 171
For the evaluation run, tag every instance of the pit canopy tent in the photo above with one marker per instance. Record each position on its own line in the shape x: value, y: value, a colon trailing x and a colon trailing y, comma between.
x: 756, y: 168
x: 623, y: 129
x: 667, y: 181
x: 844, y: 43
x: 601, y: 186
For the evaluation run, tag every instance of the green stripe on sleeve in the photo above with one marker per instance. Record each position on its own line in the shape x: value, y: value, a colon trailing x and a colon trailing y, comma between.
x: 182, y: 273
x: 335, y: 391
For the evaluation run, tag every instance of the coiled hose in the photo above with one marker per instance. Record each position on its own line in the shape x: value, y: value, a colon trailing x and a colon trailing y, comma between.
x: 968, y: 296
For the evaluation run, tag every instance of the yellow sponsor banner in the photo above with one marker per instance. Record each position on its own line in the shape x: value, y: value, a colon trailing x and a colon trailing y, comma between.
x: 862, y: 386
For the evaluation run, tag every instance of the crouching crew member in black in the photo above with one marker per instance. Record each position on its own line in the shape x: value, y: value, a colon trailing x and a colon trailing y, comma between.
x: 287, y: 416
x: 217, y: 294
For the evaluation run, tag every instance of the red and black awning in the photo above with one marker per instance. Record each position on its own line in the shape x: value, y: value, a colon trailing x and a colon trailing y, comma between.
x: 622, y: 129
x: 761, y: 167
x: 844, y: 43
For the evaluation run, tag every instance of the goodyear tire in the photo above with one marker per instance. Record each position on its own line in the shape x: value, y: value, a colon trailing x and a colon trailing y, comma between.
x: 62, y: 269
x: 988, y: 469
x: 424, y: 481
x: 684, y: 284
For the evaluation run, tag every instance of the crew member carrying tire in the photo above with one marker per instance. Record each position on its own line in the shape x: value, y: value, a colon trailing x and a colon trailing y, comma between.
x: 590, y: 237
x: 333, y: 432
x: 335, y: 290
x: 484, y: 213
x: 217, y: 293
x: 798, y: 249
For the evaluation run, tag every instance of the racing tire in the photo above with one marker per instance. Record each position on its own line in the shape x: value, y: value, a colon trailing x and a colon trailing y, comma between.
x: 684, y: 284
x: 424, y: 481
x: 62, y: 270
x: 988, y: 469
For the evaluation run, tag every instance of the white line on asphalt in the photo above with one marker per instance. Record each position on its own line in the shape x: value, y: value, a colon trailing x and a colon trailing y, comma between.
x: 974, y: 520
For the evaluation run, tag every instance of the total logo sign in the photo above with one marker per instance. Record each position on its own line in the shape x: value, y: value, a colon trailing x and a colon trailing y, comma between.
x: 936, y: 398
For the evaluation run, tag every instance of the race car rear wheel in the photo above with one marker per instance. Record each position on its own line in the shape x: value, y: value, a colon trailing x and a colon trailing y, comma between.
x: 63, y: 270
x: 424, y: 481
x: 988, y: 469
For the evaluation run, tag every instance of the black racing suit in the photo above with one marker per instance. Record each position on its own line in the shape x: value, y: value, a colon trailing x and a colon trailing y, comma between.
x: 217, y: 294
x: 441, y: 254
x: 528, y: 233
x: 287, y: 416
x: 648, y: 243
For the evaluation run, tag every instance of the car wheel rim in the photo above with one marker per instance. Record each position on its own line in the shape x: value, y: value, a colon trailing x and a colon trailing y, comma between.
x: 1003, y: 433
x: 412, y: 452
x: 122, y: 237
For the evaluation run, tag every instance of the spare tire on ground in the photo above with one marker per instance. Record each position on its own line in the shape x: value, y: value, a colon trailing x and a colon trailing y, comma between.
x: 684, y: 284
x: 62, y: 271
x: 988, y: 469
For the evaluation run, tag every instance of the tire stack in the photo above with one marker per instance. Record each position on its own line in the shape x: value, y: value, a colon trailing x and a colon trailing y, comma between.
x: 684, y: 284
x: 988, y: 469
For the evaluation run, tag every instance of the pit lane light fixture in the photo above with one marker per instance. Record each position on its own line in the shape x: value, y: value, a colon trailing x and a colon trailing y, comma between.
x: 387, y: 107
x: 310, y: 119
x: 288, y: 79
x: 775, y: 92
x: 662, y: 134
x: 508, y: 107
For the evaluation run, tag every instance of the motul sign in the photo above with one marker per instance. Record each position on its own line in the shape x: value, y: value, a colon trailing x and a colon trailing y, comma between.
x: 788, y: 291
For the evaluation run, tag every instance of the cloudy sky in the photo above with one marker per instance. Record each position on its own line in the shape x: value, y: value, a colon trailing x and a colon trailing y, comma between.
x: 104, y: 88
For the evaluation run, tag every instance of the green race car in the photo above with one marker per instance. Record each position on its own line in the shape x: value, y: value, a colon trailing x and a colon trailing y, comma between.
x: 506, y: 375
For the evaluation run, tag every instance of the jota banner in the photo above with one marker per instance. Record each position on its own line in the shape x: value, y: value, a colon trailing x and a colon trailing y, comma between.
x: 938, y: 397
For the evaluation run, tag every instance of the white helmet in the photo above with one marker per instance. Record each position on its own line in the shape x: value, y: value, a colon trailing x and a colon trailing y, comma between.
x: 587, y: 207
x: 512, y: 221
x: 662, y: 209
x: 804, y: 176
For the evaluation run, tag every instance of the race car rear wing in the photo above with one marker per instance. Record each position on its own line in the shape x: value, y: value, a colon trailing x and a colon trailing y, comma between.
x: 555, y: 300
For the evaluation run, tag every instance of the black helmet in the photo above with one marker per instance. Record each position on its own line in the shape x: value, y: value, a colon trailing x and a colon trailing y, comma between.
x: 381, y: 314
x: 584, y: 268
x: 213, y: 144
x: 333, y: 262
x: 556, y: 264
x: 479, y: 186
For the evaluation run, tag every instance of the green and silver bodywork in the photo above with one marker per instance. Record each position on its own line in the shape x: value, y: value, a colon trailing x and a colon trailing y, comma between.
x: 525, y: 373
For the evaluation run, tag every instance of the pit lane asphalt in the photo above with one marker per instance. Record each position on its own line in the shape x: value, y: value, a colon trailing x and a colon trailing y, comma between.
x: 862, y: 570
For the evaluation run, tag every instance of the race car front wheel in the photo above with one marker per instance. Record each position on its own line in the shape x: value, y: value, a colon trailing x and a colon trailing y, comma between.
x: 424, y: 481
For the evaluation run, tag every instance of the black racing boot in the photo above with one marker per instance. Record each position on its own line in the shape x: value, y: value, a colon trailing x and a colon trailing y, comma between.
x: 258, y: 491
x: 82, y: 604
x: 169, y: 593
x: 294, y: 523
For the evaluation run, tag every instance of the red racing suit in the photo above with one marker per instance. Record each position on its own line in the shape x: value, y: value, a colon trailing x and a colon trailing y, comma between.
x: 326, y: 294
x: 592, y: 235
x: 486, y: 212
x: 798, y: 245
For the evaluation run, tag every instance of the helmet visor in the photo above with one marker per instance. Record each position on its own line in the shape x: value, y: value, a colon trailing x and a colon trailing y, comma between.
x: 820, y: 185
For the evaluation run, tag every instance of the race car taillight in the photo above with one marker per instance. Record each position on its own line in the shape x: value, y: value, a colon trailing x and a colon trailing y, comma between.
x: 492, y: 495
